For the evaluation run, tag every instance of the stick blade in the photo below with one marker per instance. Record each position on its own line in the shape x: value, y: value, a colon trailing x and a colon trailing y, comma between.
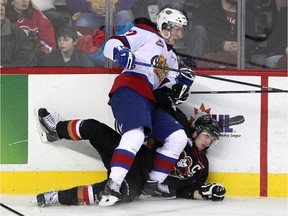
x: 236, y: 120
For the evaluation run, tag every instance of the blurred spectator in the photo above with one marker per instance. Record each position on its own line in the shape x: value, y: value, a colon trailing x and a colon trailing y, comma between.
x: 97, y: 41
x: 213, y: 35
x: 91, y: 13
x: 151, y: 8
x: 47, y: 7
x: 93, y: 45
x: 66, y: 55
x: 16, y: 49
x: 277, y: 41
x: 36, y: 26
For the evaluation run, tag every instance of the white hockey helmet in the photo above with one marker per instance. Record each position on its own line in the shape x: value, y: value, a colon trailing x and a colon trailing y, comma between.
x: 172, y: 17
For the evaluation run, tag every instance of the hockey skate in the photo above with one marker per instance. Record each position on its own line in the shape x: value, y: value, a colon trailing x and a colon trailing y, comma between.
x: 47, y: 126
x: 111, y: 194
x: 48, y: 198
x: 155, y: 189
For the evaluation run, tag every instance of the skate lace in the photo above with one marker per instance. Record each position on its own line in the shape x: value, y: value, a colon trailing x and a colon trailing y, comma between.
x: 49, y: 122
x: 164, y: 188
x: 51, y: 198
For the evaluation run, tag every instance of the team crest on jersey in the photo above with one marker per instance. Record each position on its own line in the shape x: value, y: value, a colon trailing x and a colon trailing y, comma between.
x: 32, y: 34
x: 159, y: 61
x: 182, y: 168
x: 160, y: 43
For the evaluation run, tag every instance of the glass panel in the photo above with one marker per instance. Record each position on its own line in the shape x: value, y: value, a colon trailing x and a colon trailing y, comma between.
x: 211, y: 40
x: 270, y: 38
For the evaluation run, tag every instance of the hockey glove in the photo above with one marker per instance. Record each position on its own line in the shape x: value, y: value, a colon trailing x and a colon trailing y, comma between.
x: 124, y: 57
x: 186, y: 77
x: 178, y: 93
x: 214, y: 192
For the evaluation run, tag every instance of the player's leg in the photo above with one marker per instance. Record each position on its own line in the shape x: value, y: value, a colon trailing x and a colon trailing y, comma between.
x: 103, y: 138
x: 80, y: 195
x: 133, y: 112
x: 88, y: 194
x: 169, y: 132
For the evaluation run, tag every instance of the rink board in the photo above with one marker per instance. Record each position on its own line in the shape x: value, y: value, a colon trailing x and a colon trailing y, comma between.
x: 236, y: 184
x: 250, y: 159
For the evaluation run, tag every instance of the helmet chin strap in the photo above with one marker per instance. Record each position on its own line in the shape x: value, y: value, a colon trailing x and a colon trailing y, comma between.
x: 165, y: 37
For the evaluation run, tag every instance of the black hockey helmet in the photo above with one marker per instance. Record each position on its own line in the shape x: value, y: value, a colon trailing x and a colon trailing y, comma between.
x: 206, y: 123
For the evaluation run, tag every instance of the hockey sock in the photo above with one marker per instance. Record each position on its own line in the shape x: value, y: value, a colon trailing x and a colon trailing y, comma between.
x: 68, y: 197
x: 81, y: 195
x: 166, y: 156
x: 124, y: 154
x: 88, y: 129
x: 69, y: 129
x: 85, y: 195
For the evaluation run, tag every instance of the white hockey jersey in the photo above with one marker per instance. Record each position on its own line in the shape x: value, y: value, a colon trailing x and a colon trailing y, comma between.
x: 149, y: 47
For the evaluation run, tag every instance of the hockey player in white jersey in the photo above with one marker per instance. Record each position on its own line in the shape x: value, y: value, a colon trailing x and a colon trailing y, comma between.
x: 134, y: 103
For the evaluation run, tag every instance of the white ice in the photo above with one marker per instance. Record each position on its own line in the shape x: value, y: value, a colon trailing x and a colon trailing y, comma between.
x: 231, y: 206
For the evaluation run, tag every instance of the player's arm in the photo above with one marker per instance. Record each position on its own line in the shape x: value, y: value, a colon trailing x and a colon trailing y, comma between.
x: 115, y: 50
x: 121, y: 48
x: 210, y: 191
x: 109, y: 47
x: 179, y: 91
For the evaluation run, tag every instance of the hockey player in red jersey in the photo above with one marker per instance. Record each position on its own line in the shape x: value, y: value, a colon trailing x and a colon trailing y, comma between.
x: 134, y: 105
x: 187, y: 178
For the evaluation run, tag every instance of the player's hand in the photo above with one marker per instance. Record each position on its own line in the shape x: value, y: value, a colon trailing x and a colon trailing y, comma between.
x: 124, y: 57
x: 186, y: 77
x: 214, y: 192
x: 100, y: 9
x: 230, y: 46
x: 178, y: 93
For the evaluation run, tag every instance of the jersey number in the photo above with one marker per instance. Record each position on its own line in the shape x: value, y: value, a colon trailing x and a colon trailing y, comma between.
x: 131, y: 32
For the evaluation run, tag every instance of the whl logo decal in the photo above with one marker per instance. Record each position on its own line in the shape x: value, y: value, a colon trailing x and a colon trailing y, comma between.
x: 225, y: 120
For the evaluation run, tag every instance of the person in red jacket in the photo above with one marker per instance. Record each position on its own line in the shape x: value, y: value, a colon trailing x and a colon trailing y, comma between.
x: 37, y: 27
x: 16, y: 49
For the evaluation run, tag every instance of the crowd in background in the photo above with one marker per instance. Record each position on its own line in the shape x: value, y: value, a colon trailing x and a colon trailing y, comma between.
x: 73, y: 33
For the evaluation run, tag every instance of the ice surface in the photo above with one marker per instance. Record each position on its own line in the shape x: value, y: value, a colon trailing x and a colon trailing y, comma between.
x: 231, y: 206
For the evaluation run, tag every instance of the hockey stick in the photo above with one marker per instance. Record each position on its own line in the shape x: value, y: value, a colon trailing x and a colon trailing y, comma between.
x: 233, y: 121
x: 217, y: 78
x: 233, y: 92
x: 10, y: 209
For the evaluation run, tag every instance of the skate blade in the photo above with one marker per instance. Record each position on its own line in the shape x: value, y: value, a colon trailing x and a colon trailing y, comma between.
x: 40, y: 129
x: 170, y: 198
x: 108, y: 200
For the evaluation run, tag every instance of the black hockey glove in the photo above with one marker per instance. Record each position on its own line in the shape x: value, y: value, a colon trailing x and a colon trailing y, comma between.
x: 186, y: 77
x: 178, y: 93
x: 214, y: 192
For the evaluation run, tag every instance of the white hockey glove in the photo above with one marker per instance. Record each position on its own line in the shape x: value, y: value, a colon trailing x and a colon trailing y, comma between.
x: 178, y: 93
x: 214, y: 192
x: 186, y: 77
x: 124, y: 57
